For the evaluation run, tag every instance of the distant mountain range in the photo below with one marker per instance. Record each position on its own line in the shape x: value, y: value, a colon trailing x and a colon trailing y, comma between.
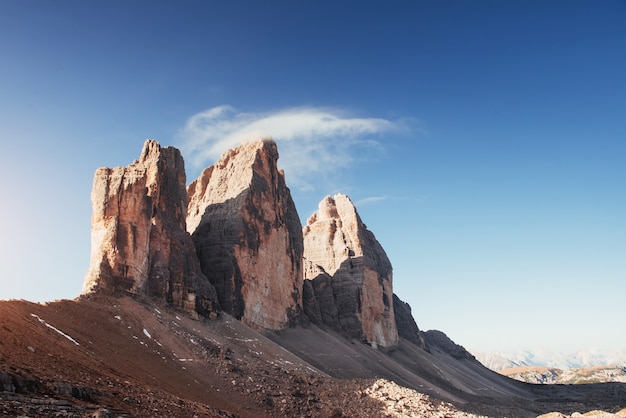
x: 553, y: 359
x: 547, y: 375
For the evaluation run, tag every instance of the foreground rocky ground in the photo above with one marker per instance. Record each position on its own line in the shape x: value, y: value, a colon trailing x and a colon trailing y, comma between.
x: 88, y: 359
x: 121, y: 358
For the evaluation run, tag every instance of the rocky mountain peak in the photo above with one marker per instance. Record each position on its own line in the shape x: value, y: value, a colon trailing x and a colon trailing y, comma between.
x: 234, y: 173
x: 139, y: 243
x: 248, y: 236
x: 351, y: 276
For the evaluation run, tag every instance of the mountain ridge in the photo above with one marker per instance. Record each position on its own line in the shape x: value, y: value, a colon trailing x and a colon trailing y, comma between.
x: 550, y: 375
x: 552, y: 358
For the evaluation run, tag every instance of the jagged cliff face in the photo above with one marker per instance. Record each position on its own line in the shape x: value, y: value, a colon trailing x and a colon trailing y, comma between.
x: 407, y: 328
x: 248, y: 236
x: 233, y: 240
x: 139, y: 242
x: 351, y: 276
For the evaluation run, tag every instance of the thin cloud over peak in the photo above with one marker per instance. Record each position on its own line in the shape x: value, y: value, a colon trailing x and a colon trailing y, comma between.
x: 371, y: 199
x: 312, y: 141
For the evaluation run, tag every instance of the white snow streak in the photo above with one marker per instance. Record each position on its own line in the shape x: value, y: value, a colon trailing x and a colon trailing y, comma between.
x: 55, y: 329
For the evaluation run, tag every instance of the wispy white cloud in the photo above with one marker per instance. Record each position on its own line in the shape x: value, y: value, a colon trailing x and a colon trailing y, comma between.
x: 371, y: 199
x: 311, y: 141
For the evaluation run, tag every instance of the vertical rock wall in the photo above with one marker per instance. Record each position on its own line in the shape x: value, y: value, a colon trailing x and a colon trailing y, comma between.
x: 350, y: 272
x: 247, y: 253
x: 407, y: 328
x: 248, y: 236
x: 139, y: 242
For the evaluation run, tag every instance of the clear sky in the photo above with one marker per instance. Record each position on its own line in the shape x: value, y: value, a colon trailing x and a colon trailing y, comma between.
x: 483, y: 142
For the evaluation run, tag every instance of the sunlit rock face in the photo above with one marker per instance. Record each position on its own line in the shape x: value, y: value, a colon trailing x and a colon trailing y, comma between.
x: 350, y: 273
x: 139, y: 242
x: 248, y: 236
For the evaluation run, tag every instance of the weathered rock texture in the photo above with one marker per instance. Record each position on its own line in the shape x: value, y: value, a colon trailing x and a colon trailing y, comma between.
x: 350, y: 273
x: 438, y: 341
x: 407, y: 328
x: 139, y: 242
x: 248, y: 236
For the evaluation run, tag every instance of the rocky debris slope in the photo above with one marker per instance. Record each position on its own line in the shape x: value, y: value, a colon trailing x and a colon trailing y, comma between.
x: 400, y: 402
x: 248, y: 236
x: 146, y: 361
x: 350, y: 273
x: 139, y: 242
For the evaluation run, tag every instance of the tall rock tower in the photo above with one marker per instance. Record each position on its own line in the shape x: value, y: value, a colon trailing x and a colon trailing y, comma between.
x: 139, y: 241
x: 248, y: 236
x: 351, y: 276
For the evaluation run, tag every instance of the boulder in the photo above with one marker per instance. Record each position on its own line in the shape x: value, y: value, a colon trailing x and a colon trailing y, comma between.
x: 139, y: 241
x: 351, y: 274
x: 248, y: 236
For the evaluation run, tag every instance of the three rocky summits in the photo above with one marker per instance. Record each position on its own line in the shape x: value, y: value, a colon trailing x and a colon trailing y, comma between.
x: 232, y: 242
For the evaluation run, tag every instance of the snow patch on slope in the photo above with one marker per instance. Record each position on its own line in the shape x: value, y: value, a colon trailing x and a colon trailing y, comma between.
x: 55, y: 329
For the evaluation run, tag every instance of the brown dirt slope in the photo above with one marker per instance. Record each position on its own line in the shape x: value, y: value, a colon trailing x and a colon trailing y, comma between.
x: 111, y: 357
x: 116, y: 357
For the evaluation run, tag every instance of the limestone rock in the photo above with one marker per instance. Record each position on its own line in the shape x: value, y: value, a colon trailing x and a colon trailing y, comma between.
x: 407, y: 328
x: 438, y: 341
x: 139, y: 242
x: 248, y: 236
x: 318, y: 300
x: 351, y: 274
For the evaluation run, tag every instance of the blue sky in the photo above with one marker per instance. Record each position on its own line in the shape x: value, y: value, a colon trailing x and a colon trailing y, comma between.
x: 483, y: 142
